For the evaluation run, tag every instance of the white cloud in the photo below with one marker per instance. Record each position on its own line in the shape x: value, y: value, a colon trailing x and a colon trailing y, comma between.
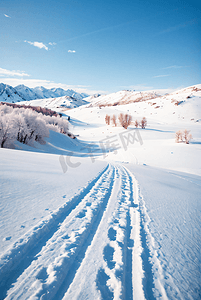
x: 50, y: 84
x: 7, y: 16
x: 39, y: 45
x: 71, y: 51
x: 160, y: 76
x: 173, y: 67
x: 4, y: 72
x: 52, y: 44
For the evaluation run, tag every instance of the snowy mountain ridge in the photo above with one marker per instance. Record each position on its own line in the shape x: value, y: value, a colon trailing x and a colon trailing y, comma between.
x: 178, y: 105
x: 126, y: 96
x: 24, y: 93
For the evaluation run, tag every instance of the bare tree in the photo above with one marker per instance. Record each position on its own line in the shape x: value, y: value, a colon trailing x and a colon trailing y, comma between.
x: 183, y: 136
x: 178, y: 136
x: 136, y: 123
x: 107, y: 120
x: 143, y: 123
x: 187, y: 136
x: 125, y: 120
x: 114, y: 120
x: 121, y: 119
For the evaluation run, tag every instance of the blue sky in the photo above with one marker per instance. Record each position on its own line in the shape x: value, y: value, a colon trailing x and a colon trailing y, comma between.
x: 100, y: 46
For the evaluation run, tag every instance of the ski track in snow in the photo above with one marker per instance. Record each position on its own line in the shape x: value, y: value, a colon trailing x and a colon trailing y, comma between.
x: 100, y: 233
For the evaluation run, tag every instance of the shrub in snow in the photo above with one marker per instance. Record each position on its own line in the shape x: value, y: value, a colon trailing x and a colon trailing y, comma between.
x: 183, y: 136
x: 121, y: 119
x: 143, y: 122
x: 107, y: 120
x: 136, y: 123
x: 187, y: 136
x: 114, y: 120
x: 178, y: 136
x: 125, y: 120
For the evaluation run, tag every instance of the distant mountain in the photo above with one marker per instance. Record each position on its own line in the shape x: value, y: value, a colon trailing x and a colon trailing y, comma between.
x: 24, y: 93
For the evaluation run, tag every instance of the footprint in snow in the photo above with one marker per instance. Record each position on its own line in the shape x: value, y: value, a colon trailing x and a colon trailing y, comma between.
x: 108, y: 253
x: 112, y: 234
x: 7, y: 238
x: 42, y: 274
x: 101, y: 283
x: 82, y: 214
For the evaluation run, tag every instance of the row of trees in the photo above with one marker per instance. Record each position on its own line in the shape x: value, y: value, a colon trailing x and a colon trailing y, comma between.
x: 27, y: 126
x: 183, y: 136
x: 43, y: 110
x: 125, y: 120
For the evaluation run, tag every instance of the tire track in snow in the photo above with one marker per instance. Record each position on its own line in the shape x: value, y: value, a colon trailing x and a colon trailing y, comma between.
x: 145, y: 256
x: 61, y: 256
x: 101, y: 249
x: 14, y: 261
x: 153, y: 278
x: 107, y: 266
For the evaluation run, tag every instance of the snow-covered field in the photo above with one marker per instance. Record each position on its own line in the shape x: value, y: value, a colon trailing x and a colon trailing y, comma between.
x: 113, y: 214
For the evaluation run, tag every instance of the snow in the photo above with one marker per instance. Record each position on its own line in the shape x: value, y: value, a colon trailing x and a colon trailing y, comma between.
x: 82, y: 221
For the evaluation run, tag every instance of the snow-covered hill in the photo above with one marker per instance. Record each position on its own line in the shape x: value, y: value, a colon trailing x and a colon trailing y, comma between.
x: 181, y: 104
x: 127, y: 96
x: 123, y: 97
x: 23, y: 93
x: 59, y: 103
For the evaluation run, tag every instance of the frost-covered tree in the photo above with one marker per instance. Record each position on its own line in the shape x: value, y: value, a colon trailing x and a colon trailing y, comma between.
x: 4, y: 109
x: 57, y: 124
x: 27, y: 126
x: 36, y: 127
x: 7, y: 131
x: 63, y: 125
